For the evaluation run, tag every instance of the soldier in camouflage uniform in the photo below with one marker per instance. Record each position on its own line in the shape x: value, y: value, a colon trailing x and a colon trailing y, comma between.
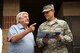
x: 53, y: 34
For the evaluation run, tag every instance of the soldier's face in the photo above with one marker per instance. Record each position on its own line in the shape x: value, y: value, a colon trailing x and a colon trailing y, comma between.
x: 24, y: 19
x: 49, y: 14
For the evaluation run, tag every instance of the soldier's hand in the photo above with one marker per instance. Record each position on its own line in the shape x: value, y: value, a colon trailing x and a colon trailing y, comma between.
x: 58, y: 38
x: 45, y: 40
x: 31, y: 28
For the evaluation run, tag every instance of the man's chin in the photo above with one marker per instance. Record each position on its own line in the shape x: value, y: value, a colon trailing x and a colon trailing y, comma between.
x: 47, y: 18
x: 27, y: 23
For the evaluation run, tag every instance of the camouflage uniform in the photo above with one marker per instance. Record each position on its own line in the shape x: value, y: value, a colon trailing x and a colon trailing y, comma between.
x: 54, y: 46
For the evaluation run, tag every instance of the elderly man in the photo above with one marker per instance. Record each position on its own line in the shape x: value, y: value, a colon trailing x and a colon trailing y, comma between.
x: 53, y: 34
x: 20, y: 35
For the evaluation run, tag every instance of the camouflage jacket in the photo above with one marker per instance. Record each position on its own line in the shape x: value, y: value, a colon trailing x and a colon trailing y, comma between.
x: 54, y: 46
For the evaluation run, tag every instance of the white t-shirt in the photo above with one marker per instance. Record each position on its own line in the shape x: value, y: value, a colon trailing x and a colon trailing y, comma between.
x: 0, y: 40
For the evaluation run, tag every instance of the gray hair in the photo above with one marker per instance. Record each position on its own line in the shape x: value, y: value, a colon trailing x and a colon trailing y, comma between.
x: 20, y: 14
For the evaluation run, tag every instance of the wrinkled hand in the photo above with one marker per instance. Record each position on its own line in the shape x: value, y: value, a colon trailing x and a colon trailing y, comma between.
x: 31, y: 28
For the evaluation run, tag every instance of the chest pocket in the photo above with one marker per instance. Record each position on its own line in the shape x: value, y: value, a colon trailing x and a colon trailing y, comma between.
x: 45, y: 28
x: 58, y: 28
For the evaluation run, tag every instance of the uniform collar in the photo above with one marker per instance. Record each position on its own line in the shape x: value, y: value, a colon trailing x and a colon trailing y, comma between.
x: 52, y: 22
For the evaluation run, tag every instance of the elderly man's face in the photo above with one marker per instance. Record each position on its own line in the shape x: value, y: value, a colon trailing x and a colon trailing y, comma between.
x: 24, y: 19
x: 49, y: 14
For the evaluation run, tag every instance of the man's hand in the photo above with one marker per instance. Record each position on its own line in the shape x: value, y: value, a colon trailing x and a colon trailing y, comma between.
x: 31, y: 28
x: 58, y: 38
x: 45, y: 40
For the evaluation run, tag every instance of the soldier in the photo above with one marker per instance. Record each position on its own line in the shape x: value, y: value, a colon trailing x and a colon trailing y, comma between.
x: 53, y: 34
